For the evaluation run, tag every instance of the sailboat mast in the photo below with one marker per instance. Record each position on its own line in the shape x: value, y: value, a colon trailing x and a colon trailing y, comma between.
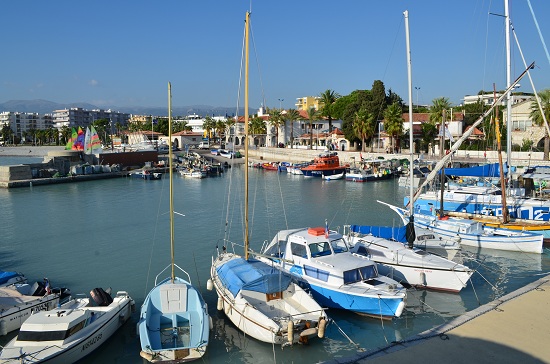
x: 508, y: 96
x: 246, y: 60
x: 505, y: 217
x: 170, y: 174
x: 411, y: 139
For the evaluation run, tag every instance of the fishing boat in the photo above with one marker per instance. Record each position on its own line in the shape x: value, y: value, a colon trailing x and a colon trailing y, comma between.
x: 174, y: 324
x: 145, y: 174
x: 18, y: 301
x: 194, y: 173
x: 325, y: 164
x: 336, y: 277
x: 473, y: 233
x: 69, y: 332
x: 369, y: 171
x: 411, y: 267
x: 296, y: 168
x: 260, y: 300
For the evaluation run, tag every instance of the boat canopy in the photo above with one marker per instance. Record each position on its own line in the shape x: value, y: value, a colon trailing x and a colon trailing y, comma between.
x: 6, y: 276
x: 385, y: 232
x: 487, y: 170
x: 252, y: 275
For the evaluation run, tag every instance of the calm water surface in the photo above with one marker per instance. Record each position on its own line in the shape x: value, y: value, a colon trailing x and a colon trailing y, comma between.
x: 114, y: 233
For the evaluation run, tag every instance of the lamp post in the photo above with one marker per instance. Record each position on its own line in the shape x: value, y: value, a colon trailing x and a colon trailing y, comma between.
x: 281, y: 104
x: 417, y: 91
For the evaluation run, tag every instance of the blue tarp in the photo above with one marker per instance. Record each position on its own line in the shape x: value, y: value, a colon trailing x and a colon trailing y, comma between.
x: 252, y: 275
x: 386, y: 232
x: 487, y: 170
x: 6, y: 276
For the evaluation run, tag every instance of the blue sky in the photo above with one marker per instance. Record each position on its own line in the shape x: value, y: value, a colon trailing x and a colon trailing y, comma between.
x: 123, y: 53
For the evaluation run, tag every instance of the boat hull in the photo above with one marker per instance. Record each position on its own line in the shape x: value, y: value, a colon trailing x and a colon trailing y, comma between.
x: 82, y: 344
x: 320, y: 173
x: 173, y: 336
x: 242, y: 309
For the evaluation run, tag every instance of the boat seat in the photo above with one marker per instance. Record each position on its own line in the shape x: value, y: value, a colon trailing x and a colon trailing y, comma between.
x: 173, y: 298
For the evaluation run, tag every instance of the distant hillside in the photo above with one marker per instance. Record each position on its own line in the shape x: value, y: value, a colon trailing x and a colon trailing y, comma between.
x: 47, y: 107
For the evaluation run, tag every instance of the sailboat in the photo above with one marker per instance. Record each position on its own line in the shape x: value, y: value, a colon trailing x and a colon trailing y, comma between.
x: 92, y: 144
x: 174, y: 324
x: 260, y: 300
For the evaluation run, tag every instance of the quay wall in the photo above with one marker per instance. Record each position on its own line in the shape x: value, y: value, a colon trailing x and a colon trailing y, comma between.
x: 520, y: 159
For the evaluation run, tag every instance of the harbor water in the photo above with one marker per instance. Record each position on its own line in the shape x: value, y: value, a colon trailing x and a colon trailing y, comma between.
x: 115, y: 233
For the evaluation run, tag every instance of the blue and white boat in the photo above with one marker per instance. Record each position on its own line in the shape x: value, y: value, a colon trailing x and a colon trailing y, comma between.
x: 474, y: 233
x: 11, y: 277
x: 337, y: 278
x: 174, y: 324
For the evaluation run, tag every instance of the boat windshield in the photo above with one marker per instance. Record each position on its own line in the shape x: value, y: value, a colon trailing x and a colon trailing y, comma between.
x: 319, y: 249
x: 339, y: 245
x: 360, y: 274
x: 50, y: 335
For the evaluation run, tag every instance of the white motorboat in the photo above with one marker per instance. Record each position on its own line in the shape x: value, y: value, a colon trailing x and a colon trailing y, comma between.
x: 70, y: 332
x: 410, y: 267
x: 10, y: 277
x: 19, y: 301
x: 261, y: 301
x: 337, y: 278
x: 174, y: 324
x: 334, y: 176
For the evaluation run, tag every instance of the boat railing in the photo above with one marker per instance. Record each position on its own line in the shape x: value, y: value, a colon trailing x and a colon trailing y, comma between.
x: 170, y: 266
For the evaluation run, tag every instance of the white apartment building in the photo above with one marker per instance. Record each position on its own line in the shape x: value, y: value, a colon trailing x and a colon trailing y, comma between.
x: 489, y: 98
x: 77, y: 116
x: 22, y: 123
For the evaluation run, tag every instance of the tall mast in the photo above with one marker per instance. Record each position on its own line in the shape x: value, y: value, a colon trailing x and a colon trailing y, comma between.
x: 508, y: 97
x: 170, y: 174
x: 246, y: 60
x: 410, y: 233
x: 411, y: 139
x: 505, y: 217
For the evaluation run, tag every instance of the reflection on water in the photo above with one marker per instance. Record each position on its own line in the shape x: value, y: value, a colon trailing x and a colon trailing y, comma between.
x: 114, y: 233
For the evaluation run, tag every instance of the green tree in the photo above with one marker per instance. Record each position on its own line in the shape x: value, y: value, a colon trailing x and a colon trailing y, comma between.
x: 312, y: 115
x: 393, y: 121
x: 429, y: 132
x: 209, y: 124
x: 377, y: 103
x: 276, y: 119
x: 292, y: 115
x: 364, y: 126
x: 436, y: 110
x: 327, y: 99
x: 7, y: 133
x: 256, y: 126
x: 536, y: 116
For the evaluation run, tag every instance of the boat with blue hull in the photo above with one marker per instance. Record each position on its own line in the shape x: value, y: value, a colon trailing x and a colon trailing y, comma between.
x: 337, y: 278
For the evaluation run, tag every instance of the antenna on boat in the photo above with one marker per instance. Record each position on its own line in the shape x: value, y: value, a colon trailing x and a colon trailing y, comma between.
x: 411, y: 236
x: 170, y: 174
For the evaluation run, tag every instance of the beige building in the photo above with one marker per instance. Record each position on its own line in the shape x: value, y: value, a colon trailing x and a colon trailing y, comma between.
x: 523, y: 127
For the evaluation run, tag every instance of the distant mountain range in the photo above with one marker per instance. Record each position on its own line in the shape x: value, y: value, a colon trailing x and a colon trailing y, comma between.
x: 47, y: 107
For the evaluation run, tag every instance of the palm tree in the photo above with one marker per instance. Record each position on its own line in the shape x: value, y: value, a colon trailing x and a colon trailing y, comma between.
x: 328, y: 98
x: 312, y: 115
x: 219, y: 126
x: 292, y: 115
x: 536, y: 116
x: 208, y: 125
x: 436, y: 110
x: 363, y: 126
x: 276, y: 120
x: 256, y: 125
x: 393, y: 121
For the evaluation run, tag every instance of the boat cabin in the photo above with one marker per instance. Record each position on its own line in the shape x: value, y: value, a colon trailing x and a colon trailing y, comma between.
x: 54, y: 326
x: 309, y: 252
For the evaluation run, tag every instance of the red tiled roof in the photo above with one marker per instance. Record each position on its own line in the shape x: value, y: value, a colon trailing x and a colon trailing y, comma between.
x: 476, y: 131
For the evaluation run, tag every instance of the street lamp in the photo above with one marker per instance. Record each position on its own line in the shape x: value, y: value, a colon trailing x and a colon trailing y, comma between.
x: 281, y: 104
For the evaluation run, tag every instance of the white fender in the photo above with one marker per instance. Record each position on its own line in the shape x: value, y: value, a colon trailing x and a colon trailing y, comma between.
x: 322, y: 326
x: 290, y: 333
x: 3, y: 327
x: 209, y: 285
x: 220, y: 304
